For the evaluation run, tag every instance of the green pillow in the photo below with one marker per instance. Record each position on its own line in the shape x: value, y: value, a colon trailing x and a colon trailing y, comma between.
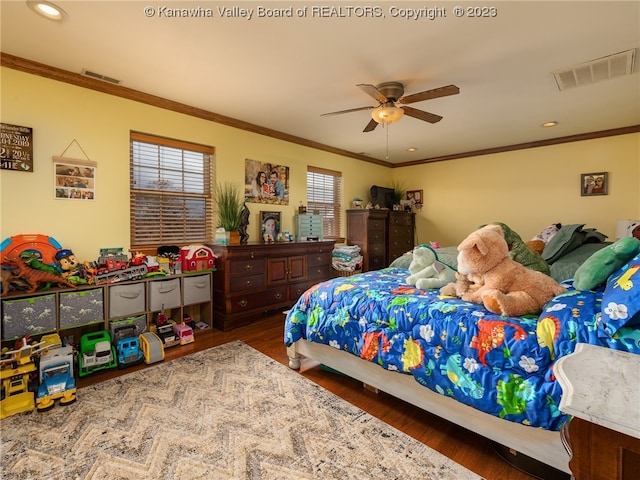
x: 597, y: 268
x: 568, y: 238
x: 521, y: 253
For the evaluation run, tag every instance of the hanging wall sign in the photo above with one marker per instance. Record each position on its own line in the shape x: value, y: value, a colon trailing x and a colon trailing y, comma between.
x: 16, y: 148
x: 74, y: 179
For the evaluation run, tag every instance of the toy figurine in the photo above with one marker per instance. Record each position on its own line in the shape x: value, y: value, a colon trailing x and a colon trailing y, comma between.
x: 71, y: 269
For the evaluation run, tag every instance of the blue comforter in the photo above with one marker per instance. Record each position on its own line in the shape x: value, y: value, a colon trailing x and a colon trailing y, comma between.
x: 500, y: 365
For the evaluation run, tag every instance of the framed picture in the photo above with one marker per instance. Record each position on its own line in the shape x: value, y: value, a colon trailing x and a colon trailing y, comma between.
x: 594, y: 184
x: 266, y: 183
x: 74, y: 179
x: 414, y: 197
x: 270, y: 222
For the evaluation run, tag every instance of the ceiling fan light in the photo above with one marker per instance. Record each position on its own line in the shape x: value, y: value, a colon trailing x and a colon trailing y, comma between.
x: 46, y: 9
x: 387, y: 113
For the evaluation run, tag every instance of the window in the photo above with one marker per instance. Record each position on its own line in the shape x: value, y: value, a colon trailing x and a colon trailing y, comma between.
x: 170, y: 184
x: 324, y: 194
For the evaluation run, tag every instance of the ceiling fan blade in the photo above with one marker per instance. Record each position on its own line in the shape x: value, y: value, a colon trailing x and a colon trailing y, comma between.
x: 347, y: 111
x: 373, y: 92
x: 370, y: 126
x: 429, y: 94
x: 420, y: 115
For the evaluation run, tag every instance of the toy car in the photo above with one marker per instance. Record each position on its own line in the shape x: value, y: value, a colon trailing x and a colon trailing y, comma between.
x: 168, y: 336
x: 96, y: 352
x: 56, y: 379
x: 184, y: 333
x: 127, y: 346
x: 151, y: 347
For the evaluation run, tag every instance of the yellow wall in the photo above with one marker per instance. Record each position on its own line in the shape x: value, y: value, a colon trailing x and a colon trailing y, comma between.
x: 58, y: 113
x: 527, y: 189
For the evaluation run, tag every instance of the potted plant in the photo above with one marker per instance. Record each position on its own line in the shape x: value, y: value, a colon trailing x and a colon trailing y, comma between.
x: 230, y: 203
x: 399, y: 192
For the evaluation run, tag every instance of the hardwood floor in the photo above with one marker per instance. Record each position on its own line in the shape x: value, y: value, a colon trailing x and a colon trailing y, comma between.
x: 266, y: 335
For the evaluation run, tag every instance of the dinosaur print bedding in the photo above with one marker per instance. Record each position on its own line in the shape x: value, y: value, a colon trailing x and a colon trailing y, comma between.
x: 500, y: 365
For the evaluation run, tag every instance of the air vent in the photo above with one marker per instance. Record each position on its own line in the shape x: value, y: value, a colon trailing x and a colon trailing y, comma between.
x: 605, y: 68
x: 98, y: 76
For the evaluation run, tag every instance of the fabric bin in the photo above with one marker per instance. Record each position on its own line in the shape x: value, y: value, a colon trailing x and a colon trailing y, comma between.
x: 196, y: 289
x: 126, y: 299
x: 81, y: 307
x: 32, y: 315
x: 164, y: 294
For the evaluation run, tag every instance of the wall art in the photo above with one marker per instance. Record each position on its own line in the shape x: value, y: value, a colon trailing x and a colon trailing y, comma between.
x: 16, y: 148
x: 266, y: 183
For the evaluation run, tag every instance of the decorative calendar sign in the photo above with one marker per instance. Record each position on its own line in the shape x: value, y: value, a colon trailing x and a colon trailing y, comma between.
x: 16, y: 148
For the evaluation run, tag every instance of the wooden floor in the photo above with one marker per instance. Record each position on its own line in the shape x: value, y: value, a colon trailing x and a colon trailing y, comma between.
x: 266, y: 335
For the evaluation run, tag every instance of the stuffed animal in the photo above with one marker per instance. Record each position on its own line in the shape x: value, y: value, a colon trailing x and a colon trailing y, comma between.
x: 597, y: 268
x: 427, y: 271
x: 521, y: 252
x: 504, y: 286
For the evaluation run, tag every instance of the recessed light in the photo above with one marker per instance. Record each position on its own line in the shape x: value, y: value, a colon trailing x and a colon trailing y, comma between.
x: 46, y: 9
x: 411, y: 149
x: 549, y: 124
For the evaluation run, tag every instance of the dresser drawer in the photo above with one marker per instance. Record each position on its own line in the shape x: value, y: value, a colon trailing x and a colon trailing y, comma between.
x: 246, y: 267
x: 164, y: 294
x: 126, y: 299
x: 319, y: 272
x: 401, y: 220
x: 314, y: 259
x: 377, y: 226
x: 376, y: 262
x: 259, y: 300
x: 247, y: 282
x: 196, y: 289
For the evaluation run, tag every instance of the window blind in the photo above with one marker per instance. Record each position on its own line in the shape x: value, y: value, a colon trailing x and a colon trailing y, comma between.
x: 170, y: 185
x: 324, y: 194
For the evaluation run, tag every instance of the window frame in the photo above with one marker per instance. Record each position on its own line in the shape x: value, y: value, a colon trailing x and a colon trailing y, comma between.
x: 184, y: 231
x: 331, y: 211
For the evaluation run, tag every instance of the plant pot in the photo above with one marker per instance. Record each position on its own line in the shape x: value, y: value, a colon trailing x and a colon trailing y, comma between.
x: 234, y: 237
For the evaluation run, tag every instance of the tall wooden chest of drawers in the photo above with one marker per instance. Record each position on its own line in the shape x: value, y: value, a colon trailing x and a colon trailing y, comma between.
x: 382, y: 235
x: 258, y: 277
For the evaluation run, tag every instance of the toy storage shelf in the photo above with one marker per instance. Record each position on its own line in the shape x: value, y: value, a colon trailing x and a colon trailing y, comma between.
x: 69, y: 311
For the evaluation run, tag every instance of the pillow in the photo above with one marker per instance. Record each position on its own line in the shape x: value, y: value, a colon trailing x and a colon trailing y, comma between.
x: 621, y: 300
x: 402, y: 261
x: 599, y: 266
x: 568, y: 238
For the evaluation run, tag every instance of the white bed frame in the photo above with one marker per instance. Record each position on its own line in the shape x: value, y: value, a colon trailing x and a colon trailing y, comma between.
x: 543, y: 445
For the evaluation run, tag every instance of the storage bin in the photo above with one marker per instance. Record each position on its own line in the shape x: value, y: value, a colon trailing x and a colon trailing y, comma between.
x: 197, y: 289
x: 126, y: 299
x: 81, y: 307
x: 32, y: 315
x: 164, y: 294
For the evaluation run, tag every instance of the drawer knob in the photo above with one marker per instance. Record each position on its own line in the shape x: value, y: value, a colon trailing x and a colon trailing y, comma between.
x: 278, y: 296
x: 251, y: 254
x: 248, y: 267
x: 248, y: 283
x: 243, y: 303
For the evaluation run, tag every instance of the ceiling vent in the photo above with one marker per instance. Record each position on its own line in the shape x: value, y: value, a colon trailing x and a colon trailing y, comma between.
x: 605, y: 68
x: 98, y: 76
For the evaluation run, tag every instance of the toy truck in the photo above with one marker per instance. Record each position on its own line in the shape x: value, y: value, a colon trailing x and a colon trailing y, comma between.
x: 96, y: 353
x: 184, y: 333
x: 127, y: 346
x: 56, y: 379
x: 152, y: 347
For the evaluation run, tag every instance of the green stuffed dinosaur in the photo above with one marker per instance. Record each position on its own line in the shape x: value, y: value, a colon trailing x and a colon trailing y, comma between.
x: 521, y: 253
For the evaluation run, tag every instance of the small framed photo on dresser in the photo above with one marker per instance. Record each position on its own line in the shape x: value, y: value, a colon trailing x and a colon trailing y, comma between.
x: 270, y: 222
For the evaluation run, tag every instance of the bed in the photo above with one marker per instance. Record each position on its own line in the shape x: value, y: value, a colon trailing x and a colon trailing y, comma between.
x: 490, y: 374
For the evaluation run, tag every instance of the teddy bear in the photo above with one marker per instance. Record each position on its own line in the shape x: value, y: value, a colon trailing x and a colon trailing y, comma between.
x: 427, y: 271
x: 502, y: 285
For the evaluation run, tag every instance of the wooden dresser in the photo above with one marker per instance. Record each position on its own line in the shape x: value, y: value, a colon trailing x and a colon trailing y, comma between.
x: 400, y: 234
x: 601, y: 389
x: 382, y: 235
x: 255, y: 278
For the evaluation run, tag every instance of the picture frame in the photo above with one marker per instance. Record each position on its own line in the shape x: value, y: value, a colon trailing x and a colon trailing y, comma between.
x: 414, y: 197
x: 270, y: 226
x: 266, y: 183
x: 596, y: 183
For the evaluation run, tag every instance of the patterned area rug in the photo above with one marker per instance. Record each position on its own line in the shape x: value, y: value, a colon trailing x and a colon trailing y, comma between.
x: 229, y: 412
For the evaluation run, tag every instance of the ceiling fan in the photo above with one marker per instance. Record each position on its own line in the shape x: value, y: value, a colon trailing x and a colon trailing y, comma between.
x: 388, y: 94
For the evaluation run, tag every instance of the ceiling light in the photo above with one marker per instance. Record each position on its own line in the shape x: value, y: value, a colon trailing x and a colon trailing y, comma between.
x: 411, y: 149
x: 46, y: 9
x: 387, y: 113
x: 549, y: 124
